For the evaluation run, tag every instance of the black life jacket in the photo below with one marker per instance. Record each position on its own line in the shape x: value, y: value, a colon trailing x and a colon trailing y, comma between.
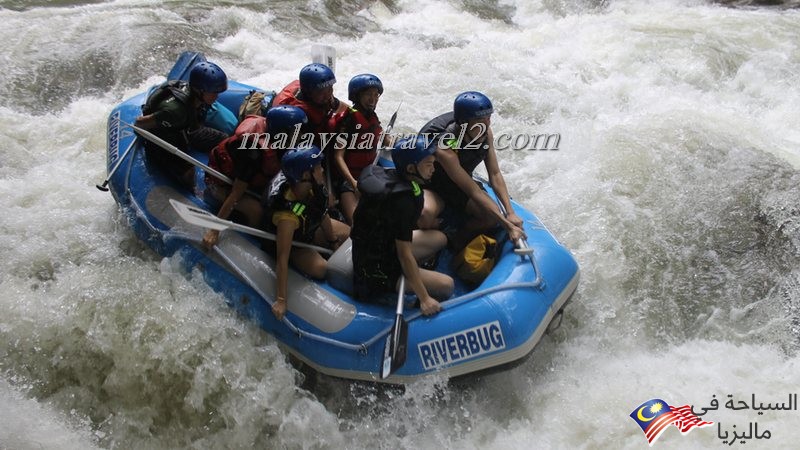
x: 373, y: 245
x: 176, y: 88
x: 470, y: 152
x: 310, y: 214
x: 180, y: 91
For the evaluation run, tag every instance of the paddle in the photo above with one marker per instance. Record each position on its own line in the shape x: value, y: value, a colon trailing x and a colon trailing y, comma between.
x: 177, y: 152
x: 104, y: 187
x: 180, y: 71
x: 324, y: 54
x: 521, y: 246
x: 205, y: 219
x: 394, y: 352
x: 385, y: 133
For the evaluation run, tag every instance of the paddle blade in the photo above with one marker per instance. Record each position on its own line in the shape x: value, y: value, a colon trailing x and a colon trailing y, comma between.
x: 394, y: 353
x: 325, y: 54
x: 197, y: 216
x: 102, y: 187
x: 184, y: 63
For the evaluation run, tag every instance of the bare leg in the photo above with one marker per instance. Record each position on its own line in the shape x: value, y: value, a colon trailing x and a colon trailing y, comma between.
x: 247, y: 205
x: 437, y: 284
x: 425, y: 243
x: 348, y: 202
x: 309, y: 262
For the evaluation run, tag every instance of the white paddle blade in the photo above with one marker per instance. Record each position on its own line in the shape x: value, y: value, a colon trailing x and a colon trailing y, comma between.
x: 325, y: 54
x: 197, y: 216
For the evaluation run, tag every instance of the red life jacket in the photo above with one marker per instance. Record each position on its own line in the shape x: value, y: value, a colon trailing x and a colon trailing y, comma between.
x: 220, y: 157
x: 363, y: 134
x: 317, y: 115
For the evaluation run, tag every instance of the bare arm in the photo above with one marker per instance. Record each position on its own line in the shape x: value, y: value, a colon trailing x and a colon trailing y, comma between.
x: 411, y: 271
x: 237, y: 190
x: 498, y: 182
x: 449, y: 161
x: 338, y: 158
x: 147, y: 122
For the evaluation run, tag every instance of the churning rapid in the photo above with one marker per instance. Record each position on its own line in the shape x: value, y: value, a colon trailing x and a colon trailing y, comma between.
x: 675, y: 184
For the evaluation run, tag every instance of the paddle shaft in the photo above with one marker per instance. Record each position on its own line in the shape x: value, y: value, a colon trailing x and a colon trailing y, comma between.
x: 401, y: 292
x: 388, y: 130
x: 177, y: 152
x: 182, y: 155
x: 522, y: 249
x: 394, y: 353
x: 200, y: 217
x: 104, y: 187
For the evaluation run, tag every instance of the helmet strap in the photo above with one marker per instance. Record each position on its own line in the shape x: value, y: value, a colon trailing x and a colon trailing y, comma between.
x: 414, y: 176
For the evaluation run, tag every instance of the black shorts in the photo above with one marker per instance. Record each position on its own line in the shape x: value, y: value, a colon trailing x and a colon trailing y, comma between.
x: 342, y: 186
x: 378, y: 287
x: 171, y: 165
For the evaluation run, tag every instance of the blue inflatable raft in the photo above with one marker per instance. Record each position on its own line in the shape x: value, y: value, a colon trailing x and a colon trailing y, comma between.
x: 488, y: 327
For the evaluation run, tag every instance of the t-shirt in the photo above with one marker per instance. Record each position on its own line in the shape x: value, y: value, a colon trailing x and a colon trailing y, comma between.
x: 402, y: 218
x: 246, y: 163
x: 281, y: 215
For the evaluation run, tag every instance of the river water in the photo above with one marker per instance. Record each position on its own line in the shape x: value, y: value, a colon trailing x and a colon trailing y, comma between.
x: 675, y: 184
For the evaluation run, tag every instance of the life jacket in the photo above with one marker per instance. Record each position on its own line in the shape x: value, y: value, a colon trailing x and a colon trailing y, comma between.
x: 176, y: 88
x: 363, y: 132
x: 470, y: 153
x: 310, y: 213
x: 179, y: 90
x: 317, y: 115
x: 373, y: 245
x: 221, y: 159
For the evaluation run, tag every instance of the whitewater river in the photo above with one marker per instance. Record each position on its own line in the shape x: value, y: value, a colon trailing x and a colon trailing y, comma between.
x: 675, y: 184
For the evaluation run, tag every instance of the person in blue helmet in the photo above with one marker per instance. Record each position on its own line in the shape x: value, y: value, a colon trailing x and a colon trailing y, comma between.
x: 464, y: 140
x: 251, y: 158
x: 358, y: 136
x: 385, y: 242
x: 296, y: 211
x: 175, y: 112
x: 313, y: 93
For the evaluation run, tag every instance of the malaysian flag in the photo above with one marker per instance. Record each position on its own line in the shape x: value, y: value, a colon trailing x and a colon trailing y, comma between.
x: 654, y: 416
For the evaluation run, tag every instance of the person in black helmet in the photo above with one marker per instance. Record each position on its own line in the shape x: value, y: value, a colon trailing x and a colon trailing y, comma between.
x: 175, y: 112
x: 385, y: 243
x: 464, y: 141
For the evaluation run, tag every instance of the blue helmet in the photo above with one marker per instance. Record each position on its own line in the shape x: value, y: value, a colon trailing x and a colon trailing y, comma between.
x: 360, y: 82
x: 471, y: 105
x: 284, y: 117
x: 208, y: 77
x: 298, y: 161
x: 411, y: 151
x: 316, y: 76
